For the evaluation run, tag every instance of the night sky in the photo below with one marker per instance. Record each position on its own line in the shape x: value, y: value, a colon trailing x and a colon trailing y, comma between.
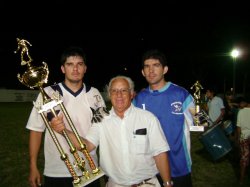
x: 197, y: 45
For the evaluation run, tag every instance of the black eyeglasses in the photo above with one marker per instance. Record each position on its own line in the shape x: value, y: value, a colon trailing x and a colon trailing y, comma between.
x: 123, y: 91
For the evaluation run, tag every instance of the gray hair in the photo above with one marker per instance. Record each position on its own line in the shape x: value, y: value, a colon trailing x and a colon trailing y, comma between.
x: 128, y: 79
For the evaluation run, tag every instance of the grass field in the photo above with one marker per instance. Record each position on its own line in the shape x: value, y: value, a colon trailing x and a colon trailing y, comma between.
x: 14, y: 157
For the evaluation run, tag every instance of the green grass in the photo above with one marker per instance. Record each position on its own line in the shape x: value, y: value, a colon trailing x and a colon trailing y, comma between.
x: 14, y: 157
x: 209, y: 173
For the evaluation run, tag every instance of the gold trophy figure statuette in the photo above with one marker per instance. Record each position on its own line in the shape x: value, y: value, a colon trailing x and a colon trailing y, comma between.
x: 197, y: 93
x: 22, y: 44
x: 36, y: 77
x: 197, y: 100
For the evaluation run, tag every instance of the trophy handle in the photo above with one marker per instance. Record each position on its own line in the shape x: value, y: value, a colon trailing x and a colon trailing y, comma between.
x: 84, y: 150
x: 64, y: 157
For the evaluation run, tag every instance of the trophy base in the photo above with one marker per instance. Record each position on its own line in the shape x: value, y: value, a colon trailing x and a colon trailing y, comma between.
x: 197, y: 128
x: 92, y: 177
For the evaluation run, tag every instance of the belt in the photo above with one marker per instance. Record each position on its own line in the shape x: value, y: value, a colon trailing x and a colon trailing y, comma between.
x: 143, y: 182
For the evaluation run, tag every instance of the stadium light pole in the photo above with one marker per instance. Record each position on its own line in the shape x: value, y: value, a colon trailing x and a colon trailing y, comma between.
x: 235, y: 53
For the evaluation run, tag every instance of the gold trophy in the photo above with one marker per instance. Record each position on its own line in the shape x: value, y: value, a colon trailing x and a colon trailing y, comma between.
x: 198, y: 126
x: 36, y: 77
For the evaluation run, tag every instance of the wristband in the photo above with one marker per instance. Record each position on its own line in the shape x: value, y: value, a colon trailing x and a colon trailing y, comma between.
x: 168, y: 183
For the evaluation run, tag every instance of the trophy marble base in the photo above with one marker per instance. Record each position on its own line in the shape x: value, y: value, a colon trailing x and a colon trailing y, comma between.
x: 92, y: 177
x: 196, y: 128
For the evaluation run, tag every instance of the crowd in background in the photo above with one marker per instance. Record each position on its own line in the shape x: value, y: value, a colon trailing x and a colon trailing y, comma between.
x: 232, y: 114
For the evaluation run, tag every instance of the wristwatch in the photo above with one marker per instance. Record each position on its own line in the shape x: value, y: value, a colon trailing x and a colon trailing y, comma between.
x: 168, y: 183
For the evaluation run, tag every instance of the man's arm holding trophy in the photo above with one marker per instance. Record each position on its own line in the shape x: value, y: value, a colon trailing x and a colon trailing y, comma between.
x: 58, y: 125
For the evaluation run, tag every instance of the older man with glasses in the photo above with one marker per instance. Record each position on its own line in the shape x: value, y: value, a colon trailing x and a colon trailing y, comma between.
x: 132, y: 145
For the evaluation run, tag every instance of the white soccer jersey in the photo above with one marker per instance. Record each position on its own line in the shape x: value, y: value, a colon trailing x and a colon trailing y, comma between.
x: 78, y: 107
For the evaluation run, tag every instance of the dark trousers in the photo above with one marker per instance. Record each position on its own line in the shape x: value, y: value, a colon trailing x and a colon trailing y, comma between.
x: 65, y: 182
x: 181, y: 181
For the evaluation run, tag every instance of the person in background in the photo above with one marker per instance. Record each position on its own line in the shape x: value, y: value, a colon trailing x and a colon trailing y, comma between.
x: 231, y: 109
x: 172, y: 104
x: 132, y: 145
x: 215, y: 106
x: 79, y: 100
x: 243, y: 135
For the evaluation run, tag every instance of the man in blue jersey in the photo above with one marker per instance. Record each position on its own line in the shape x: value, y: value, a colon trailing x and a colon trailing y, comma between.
x: 171, y: 104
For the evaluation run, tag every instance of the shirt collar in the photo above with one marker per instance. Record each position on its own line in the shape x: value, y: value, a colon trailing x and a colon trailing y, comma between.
x: 126, y: 113
x: 165, y: 87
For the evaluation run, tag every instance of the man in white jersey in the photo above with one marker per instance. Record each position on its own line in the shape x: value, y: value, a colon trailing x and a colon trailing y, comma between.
x: 79, y: 100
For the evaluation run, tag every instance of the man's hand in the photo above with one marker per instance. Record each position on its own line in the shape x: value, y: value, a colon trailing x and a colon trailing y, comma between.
x: 99, y: 114
x: 34, y: 177
x: 57, y: 124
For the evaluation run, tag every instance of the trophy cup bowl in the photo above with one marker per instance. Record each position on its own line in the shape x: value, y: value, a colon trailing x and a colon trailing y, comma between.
x: 35, y: 76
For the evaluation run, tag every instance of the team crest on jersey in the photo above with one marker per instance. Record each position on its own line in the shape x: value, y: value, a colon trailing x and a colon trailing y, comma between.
x: 97, y: 100
x: 176, y: 107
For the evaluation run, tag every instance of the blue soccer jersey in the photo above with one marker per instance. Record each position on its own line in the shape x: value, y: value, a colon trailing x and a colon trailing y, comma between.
x: 171, y: 106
